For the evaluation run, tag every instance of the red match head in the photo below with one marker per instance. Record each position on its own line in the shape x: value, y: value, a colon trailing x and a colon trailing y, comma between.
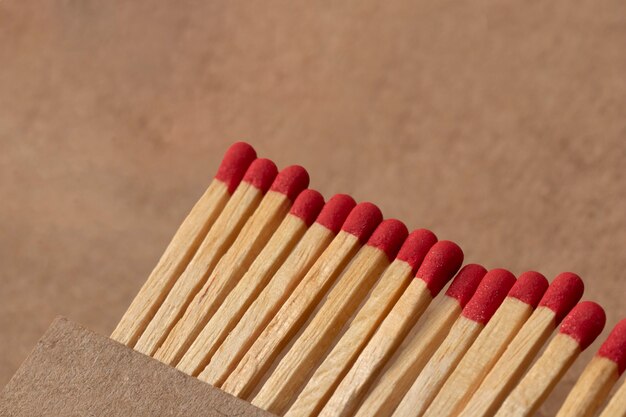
x: 563, y: 294
x: 465, y: 283
x: 261, y: 173
x: 388, y: 237
x: 362, y: 221
x: 490, y: 293
x: 416, y: 246
x: 584, y: 323
x: 307, y: 206
x: 614, y: 347
x: 335, y: 212
x: 529, y: 288
x: 291, y: 181
x: 440, y: 264
x: 236, y: 161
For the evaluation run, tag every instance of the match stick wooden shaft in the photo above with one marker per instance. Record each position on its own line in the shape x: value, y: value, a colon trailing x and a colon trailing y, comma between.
x: 412, y: 355
x: 291, y: 316
x: 219, y: 238
x: 591, y: 389
x: 480, y: 358
x: 325, y: 379
x: 423, y: 339
x: 172, y: 263
x: 439, y: 367
x: 235, y: 164
x: 540, y: 380
x: 251, y: 240
x: 268, y: 303
x: 349, y: 393
x: 291, y: 373
x: 247, y: 289
x: 512, y: 364
x: 617, y: 404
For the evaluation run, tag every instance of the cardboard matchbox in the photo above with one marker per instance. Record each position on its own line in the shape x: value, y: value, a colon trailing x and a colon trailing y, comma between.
x: 75, y: 372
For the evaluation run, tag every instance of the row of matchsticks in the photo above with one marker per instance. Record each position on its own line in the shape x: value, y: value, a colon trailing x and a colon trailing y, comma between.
x: 312, y: 308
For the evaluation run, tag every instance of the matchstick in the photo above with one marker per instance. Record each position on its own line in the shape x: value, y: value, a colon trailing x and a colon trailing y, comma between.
x: 578, y: 330
x: 221, y: 235
x: 302, y: 214
x: 280, y: 287
x: 479, y: 310
x: 489, y: 345
x: 598, y: 378
x: 184, y: 244
x: 562, y: 294
x: 384, y: 295
x: 255, y: 363
x: 389, y: 389
x: 442, y: 261
x: 617, y: 404
x: 345, y: 297
x: 251, y: 240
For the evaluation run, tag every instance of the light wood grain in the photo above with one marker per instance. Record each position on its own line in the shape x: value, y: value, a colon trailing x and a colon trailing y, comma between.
x: 439, y: 367
x: 421, y: 342
x: 480, y: 358
x: 617, y: 404
x: 292, y: 315
x: 509, y: 369
x: 240, y: 206
x: 304, y: 356
x: 591, y: 389
x: 350, y: 392
x: 326, y: 377
x: 177, y: 255
x: 245, y: 292
x: 540, y: 380
x: 235, y: 262
x: 261, y: 311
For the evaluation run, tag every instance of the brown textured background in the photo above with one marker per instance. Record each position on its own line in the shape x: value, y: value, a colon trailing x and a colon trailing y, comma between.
x: 498, y: 124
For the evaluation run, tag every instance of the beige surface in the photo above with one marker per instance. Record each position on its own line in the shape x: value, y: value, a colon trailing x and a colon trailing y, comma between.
x: 497, y: 124
x: 74, y: 372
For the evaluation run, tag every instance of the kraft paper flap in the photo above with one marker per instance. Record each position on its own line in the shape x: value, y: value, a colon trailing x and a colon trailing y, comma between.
x: 75, y: 372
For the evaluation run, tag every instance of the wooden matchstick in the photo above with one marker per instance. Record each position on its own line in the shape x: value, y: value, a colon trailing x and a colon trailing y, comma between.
x: 442, y: 261
x: 240, y: 206
x: 389, y: 389
x: 184, y: 244
x: 598, y: 378
x: 490, y: 294
x: 255, y: 363
x: 489, y: 345
x: 617, y: 404
x: 562, y: 294
x: 384, y: 295
x: 253, y: 236
x: 578, y: 330
x: 302, y: 214
x: 280, y: 287
x: 345, y: 297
